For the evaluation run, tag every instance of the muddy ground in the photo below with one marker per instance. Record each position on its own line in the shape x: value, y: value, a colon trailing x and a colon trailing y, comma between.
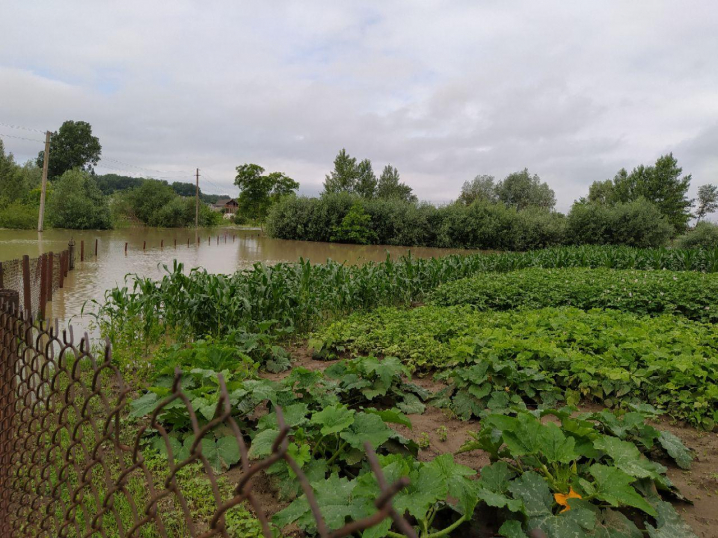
x: 700, y: 484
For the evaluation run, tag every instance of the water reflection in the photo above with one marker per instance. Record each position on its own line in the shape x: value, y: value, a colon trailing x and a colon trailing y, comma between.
x: 222, y: 250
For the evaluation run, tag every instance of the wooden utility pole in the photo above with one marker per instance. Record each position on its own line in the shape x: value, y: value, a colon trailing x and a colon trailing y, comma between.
x: 45, y: 164
x: 196, y: 197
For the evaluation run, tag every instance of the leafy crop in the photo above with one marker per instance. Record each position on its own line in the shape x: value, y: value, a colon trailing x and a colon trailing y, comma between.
x: 300, y: 296
x: 495, y: 386
x: 574, y: 477
x: 692, y: 295
x: 609, y: 356
x: 367, y: 379
x: 438, y: 491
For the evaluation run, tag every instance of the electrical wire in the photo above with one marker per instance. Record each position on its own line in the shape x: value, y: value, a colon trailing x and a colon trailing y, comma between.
x: 21, y: 127
x: 21, y: 138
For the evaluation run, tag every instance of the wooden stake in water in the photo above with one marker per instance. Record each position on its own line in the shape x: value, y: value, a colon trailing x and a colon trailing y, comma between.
x: 95, y: 248
x: 82, y: 250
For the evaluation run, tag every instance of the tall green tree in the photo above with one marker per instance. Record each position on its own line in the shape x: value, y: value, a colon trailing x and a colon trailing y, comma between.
x: 522, y: 190
x: 661, y: 184
x: 72, y: 146
x: 258, y: 192
x: 390, y: 186
x: 707, y: 201
x: 366, y: 180
x: 482, y: 187
x: 345, y: 175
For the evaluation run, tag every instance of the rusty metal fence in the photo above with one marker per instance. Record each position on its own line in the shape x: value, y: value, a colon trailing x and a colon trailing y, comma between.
x: 36, y: 279
x: 71, y: 465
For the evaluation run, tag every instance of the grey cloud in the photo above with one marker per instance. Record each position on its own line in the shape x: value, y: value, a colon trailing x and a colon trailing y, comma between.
x: 444, y: 91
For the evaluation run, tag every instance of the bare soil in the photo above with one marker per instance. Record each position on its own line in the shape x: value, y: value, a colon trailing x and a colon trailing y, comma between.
x: 699, y: 484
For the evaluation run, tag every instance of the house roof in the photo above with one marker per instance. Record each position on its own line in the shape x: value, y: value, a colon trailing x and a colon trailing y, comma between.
x: 224, y: 201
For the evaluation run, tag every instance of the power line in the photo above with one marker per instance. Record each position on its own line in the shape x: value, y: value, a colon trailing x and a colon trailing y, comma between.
x: 22, y: 138
x: 21, y: 127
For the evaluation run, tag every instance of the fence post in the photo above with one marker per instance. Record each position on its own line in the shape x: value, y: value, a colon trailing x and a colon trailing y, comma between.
x: 95, y: 248
x: 43, y: 285
x: 61, y: 276
x: 26, y: 284
x: 9, y: 312
x: 50, y: 274
x: 82, y: 250
x: 1, y: 281
x: 71, y: 255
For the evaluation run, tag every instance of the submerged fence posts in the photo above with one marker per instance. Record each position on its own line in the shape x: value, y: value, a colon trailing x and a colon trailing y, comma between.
x: 82, y: 250
x: 71, y: 255
x: 26, y: 282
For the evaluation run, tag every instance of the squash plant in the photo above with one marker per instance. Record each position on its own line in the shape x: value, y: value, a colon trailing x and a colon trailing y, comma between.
x: 366, y: 380
x: 492, y: 386
x: 572, y: 476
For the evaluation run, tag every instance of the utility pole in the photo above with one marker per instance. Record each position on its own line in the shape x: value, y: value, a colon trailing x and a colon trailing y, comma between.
x: 45, y: 164
x: 196, y: 208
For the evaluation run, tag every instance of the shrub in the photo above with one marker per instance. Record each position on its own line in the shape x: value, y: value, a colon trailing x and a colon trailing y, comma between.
x: 482, y: 225
x: 692, y: 295
x: 78, y: 203
x: 704, y: 235
x: 354, y: 228
x: 637, y: 224
x: 18, y: 216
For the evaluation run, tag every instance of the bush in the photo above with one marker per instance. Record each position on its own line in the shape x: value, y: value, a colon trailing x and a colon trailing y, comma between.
x: 482, y: 225
x: 704, y: 235
x: 641, y: 292
x: 18, y: 216
x: 355, y: 228
x: 77, y: 203
x: 637, y: 224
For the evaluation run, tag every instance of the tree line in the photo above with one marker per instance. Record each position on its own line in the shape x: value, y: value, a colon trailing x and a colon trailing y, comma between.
x: 647, y: 207
x: 78, y: 198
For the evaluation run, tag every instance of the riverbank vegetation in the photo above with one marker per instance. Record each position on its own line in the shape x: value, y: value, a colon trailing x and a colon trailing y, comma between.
x: 647, y: 207
x: 551, y: 371
x: 77, y: 198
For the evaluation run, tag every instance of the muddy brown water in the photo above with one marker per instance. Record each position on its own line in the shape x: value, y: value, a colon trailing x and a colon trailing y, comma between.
x: 98, y: 274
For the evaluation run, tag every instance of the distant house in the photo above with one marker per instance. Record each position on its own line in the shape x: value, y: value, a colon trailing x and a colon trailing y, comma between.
x: 226, y: 205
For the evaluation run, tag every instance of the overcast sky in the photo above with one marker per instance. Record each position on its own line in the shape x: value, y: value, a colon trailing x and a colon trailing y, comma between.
x: 442, y: 90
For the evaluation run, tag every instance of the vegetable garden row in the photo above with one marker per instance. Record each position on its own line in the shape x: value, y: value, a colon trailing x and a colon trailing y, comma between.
x: 564, y: 366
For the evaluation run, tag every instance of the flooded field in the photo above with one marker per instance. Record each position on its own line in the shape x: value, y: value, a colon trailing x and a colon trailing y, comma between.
x: 236, y: 249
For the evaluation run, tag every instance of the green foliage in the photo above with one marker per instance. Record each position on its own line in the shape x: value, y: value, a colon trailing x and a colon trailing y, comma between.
x: 77, y: 203
x: 389, y: 186
x: 354, y: 228
x: 521, y: 190
x: 704, y: 235
x: 566, y: 478
x: 688, y: 294
x: 611, y: 357
x: 495, y: 386
x: 660, y: 184
x: 258, y: 192
x: 637, y: 223
x: 436, y: 489
x: 481, y: 188
x: 482, y: 225
x: 155, y: 203
x: 368, y: 380
x: 344, y: 176
x: 72, y: 146
x: 707, y: 201
x: 299, y: 296
x: 18, y: 215
x: 111, y: 183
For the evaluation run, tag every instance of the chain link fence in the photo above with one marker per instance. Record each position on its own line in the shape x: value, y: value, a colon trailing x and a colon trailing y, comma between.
x: 71, y: 465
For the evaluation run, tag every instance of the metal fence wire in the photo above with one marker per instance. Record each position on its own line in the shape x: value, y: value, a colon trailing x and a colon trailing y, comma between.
x: 70, y: 466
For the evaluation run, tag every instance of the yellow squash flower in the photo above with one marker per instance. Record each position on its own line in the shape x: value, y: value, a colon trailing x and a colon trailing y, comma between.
x: 563, y: 499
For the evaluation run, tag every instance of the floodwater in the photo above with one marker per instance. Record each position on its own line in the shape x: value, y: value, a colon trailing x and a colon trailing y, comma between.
x: 219, y: 250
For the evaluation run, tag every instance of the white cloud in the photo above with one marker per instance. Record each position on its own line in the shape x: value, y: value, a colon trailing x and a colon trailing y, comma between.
x: 444, y: 91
